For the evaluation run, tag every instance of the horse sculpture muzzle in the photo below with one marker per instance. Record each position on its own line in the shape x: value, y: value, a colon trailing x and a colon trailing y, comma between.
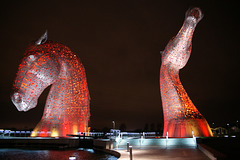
x: 19, y: 100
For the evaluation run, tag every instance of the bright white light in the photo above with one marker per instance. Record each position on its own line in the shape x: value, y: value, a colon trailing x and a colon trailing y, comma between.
x: 72, y: 158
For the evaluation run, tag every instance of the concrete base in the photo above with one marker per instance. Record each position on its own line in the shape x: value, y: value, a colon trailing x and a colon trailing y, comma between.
x: 103, y: 143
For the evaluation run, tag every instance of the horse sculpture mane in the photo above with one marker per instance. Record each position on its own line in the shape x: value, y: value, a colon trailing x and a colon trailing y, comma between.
x: 181, y: 117
x: 67, y: 107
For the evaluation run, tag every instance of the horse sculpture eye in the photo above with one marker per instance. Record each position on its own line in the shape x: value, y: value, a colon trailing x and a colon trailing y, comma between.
x: 32, y: 58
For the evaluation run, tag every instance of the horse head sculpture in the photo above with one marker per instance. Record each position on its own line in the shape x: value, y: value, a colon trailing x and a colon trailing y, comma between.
x: 181, y: 117
x: 67, y: 107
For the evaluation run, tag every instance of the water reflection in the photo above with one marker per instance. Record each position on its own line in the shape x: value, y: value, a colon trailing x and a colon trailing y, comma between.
x: 79, y: 154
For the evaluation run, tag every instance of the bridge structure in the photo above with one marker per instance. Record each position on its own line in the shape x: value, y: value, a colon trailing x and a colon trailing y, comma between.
x: 151, y: 140
x: 144, y: 140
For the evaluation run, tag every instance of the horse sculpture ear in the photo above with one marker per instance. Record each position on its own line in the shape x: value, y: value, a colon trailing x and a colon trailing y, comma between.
x: 42, y: 39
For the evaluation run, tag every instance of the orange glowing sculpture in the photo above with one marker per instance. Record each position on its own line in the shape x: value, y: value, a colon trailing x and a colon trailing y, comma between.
x: 67, y: 107
x: 181, y: 117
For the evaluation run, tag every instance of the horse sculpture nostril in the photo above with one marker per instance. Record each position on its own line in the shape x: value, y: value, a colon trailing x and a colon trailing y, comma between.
x: 196, y: 13
x: 17, y: 97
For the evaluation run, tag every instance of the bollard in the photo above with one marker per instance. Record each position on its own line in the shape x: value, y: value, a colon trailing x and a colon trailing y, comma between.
x: 110, y: 144
x: 194, y: 138
x: 127, y: 146
x: 166, y: 139
x: 130, y: 150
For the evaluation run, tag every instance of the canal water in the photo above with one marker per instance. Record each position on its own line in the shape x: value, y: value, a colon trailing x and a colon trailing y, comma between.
x: 79, y: 154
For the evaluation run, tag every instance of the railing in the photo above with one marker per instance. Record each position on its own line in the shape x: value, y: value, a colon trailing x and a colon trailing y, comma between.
x: 10, y: 133
x: 111, y: 135
x: 129, y: 135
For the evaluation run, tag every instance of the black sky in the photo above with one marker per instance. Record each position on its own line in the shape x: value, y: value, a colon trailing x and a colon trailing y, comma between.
x: 119, y: 41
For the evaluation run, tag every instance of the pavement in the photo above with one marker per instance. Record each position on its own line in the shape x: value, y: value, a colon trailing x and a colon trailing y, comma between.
x: 163, y: 154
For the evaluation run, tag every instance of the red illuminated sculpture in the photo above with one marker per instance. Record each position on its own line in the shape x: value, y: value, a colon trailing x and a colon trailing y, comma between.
x: 181, y: 117
x: 67, y: 107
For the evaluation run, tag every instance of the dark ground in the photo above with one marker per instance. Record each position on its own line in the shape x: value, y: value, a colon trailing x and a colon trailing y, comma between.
x: 229, y: 146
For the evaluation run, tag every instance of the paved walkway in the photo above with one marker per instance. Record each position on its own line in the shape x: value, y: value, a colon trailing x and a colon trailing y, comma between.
x: 164, y: 154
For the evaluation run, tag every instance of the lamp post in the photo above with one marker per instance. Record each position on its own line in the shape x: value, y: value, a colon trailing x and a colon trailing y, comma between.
x: 113, y: 122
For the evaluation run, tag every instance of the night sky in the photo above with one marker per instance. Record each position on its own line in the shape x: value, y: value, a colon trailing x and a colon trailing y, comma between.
x: 118, y: 42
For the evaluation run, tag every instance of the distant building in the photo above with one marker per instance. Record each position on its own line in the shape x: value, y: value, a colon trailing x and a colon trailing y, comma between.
x: 219, y: 131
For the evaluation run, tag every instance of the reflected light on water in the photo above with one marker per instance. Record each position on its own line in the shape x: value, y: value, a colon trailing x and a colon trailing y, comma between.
x: 81, y: 153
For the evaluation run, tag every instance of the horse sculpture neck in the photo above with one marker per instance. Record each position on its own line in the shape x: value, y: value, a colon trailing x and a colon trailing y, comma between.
x: 174, y: 96
x: 67, y: 105
x: 181, y: 117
